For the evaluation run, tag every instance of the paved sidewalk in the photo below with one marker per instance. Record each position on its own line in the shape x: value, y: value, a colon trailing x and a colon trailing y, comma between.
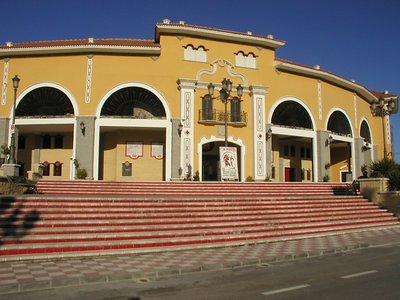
x: 36, y: 275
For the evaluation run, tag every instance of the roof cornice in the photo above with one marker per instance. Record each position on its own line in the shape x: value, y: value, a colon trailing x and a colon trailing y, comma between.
x: 54, y: 49
x: 224, y: 35
x: 326, y: 76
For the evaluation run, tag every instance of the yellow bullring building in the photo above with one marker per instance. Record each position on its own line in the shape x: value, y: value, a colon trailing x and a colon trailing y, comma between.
x: 158, y: 110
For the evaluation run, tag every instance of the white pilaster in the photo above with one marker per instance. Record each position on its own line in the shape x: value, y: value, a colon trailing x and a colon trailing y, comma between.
x: 5, y: 80
x: 89, y: 72
x: 259, y: 132
x: 187, y: 89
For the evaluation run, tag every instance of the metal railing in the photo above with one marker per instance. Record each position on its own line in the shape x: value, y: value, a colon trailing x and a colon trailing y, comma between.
x: 218, y: 117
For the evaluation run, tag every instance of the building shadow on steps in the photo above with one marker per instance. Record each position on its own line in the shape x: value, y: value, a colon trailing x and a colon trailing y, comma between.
x: 14, y: 222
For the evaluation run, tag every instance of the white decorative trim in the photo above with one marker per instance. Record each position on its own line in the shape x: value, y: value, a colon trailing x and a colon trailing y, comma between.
x: 187, y: 88
x: 219, y: 34
x: 156, y: 50
x: 329, y: 77
x: 355, y: 111
x: 260, y: 160
x: 246, y: 61
x: 221, y: 63
x: 259, y: 132
x: 4, y: 87
x: 187, y: 115
x: 319, y: 100
x: 194, y: 54
x: 388, y: 137
x: 89, y: 72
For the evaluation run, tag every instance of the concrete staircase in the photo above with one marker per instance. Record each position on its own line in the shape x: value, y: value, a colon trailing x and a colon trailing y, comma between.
x: 88, y: 218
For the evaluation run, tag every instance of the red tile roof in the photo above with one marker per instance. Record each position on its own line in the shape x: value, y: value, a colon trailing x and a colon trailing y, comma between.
x: 83, y: 42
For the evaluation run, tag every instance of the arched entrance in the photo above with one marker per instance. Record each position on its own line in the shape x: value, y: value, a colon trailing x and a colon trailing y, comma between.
x: 340, y: 147
x: 211, y: 160
x: 133, y: 135
x: 45, y: 125
x: 292, y: 142
x: 366, y: 149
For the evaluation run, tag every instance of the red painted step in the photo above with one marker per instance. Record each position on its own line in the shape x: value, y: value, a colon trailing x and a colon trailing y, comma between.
x: 81, y: 218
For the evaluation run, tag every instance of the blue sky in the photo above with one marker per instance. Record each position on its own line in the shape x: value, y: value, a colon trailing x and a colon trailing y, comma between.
x: 356, y: 39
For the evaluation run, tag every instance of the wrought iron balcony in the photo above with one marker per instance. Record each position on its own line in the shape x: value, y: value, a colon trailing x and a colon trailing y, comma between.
x: 217, y: 117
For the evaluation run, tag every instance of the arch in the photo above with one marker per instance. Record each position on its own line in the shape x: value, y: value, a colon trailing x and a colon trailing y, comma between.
x: 338, y: 122
x: 148, y: 92
x: 291, y: 112
x: 211, y: 139
x: 365, y: 131
x: 44, y: 88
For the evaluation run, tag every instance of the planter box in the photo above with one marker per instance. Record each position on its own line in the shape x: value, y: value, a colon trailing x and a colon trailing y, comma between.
x: 371, y: 187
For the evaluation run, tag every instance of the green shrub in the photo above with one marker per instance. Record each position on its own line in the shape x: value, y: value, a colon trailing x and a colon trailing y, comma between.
x: 81, y: 173
x: 386, y: 168
x: 249, y: 178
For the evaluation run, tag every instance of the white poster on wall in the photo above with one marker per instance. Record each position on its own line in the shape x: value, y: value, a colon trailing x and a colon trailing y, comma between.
x: 229, y: 163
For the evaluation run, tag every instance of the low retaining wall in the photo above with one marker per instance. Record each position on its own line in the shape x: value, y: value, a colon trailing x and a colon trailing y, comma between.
x: 377, y: 191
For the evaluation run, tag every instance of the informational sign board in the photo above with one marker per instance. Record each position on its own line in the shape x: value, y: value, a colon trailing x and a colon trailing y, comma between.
x: 134, y: 150
x: 229, y: 163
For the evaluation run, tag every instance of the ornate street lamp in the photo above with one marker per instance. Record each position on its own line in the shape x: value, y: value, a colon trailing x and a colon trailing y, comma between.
x: 12, y: 159
x: 383, y: 108
x: 224, y: 95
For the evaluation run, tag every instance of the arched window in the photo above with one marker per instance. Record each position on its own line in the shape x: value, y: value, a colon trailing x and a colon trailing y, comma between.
x: 57, y: 169
x: 291, y: 114
x: 46, y: 168
x: 339, y: 124
x: 365, y: 132
x: 45, y: 101
x: 133, y: 102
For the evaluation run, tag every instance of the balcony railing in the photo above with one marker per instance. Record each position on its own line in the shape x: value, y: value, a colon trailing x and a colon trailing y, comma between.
x: 218, y: 117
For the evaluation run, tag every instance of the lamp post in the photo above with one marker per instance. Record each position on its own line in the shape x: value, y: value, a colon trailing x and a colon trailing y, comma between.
x: 383, y: 108
x: 224, y: 95
x: 12, y: 159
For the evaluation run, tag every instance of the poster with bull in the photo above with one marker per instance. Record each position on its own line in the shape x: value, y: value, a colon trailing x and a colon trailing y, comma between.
x: 229, y: 164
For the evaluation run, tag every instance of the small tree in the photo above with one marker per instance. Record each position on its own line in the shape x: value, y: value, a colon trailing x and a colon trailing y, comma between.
x: 326, y: 178
x: 80, y: 173
x: 4, y: 151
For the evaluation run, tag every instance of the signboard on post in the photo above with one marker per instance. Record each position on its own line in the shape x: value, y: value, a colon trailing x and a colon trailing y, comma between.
x: 229, y: 163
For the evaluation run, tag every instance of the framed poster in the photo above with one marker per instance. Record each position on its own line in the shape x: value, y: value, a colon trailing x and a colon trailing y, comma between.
x: 229, y: 163
x: 134, y: 150
x: 157, y: 150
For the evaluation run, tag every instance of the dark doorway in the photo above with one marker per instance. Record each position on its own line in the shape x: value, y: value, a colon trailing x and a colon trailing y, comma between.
x: 211, y: 163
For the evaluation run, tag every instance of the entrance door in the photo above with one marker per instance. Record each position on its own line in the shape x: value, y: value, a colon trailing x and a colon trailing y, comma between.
x: 211, y: 163
x: 210, y: 167
x: 290, y: 174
